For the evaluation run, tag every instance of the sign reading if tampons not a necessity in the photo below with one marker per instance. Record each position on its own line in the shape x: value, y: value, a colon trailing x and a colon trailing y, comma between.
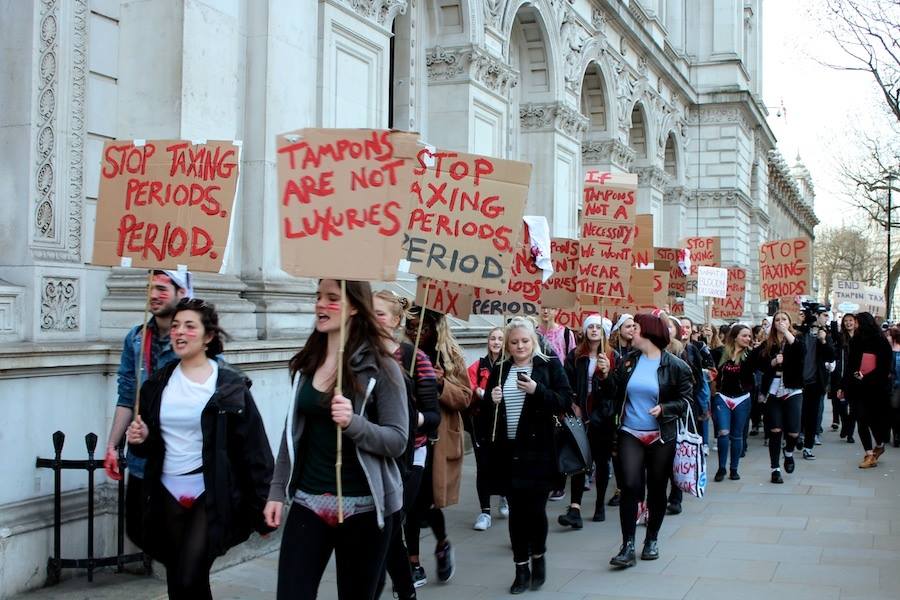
x: 343, y: 196
x: 165, y: 203
x: 466, y: 217
x: 712, y: 282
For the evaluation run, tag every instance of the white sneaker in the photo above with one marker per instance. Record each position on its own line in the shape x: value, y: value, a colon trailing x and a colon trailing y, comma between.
x: 705, y: 450
x: 482, y: 523
x: 504, y: 508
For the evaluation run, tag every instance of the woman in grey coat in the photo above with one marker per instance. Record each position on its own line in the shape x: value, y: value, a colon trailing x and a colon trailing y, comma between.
x: 372, y: 414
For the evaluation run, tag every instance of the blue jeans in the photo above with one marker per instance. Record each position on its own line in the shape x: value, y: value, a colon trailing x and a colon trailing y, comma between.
x: 730, y: 429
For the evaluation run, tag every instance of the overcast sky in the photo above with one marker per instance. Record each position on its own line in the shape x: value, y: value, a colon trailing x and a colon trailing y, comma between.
x: 825, y: 108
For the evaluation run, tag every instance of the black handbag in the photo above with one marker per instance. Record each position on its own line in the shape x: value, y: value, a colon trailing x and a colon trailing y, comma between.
x: 573, y: 452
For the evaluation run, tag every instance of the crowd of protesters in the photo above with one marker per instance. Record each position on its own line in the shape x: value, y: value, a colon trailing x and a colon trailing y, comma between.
x: 202, y: 476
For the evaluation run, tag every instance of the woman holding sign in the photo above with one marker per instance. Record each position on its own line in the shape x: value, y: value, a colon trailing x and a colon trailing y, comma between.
x: 528, y: 389
x: 651, y: 389
x: 584, y: 363
x: 208, y: 459
x: 780, y: 359
x: 867, y: 381
x: 733, y: 399
x: 371, y: 410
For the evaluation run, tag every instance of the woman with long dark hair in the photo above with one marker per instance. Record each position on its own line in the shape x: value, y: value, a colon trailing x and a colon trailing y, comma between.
x: 371, y: 411
x: 867, y: 379
x: 208, y: 459
x: 732, y: 402
x: 390, y: 310
x: 841, y: 399
x: 479, y: 373
x: 590, y: 357
x: 780, y: 359
x: 651, y: 389
x: 443, y: 465
x: 527, y: 391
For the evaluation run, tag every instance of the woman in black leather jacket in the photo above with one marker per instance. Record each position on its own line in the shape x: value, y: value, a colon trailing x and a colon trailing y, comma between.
x: 651, y: 389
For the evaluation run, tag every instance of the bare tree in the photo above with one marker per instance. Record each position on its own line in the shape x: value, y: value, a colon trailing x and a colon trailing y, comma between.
x: 847, y: 253
x: 868, y: 34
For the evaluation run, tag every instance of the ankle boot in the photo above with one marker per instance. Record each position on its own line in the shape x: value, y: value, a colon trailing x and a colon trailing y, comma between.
x: 625, y: 558
x: 522, y: 581
x: 599, y: 512
x: 651, y: 550
x: 538, y: 572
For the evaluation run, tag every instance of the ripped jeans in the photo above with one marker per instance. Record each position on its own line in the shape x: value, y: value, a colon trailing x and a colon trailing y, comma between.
x: 731, y: 421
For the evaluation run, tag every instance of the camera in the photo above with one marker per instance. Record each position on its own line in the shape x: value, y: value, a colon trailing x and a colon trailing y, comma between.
x: 810, y: 311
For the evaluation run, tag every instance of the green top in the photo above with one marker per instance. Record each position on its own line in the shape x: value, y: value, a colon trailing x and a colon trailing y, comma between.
x: 318, y: 448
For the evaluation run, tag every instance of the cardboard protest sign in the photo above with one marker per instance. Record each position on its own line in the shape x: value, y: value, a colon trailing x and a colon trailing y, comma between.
x: 523, y: 296
x: 608, y: 233
x: 561, y: 290
x: 712, y: 282
x: 732, y: 305
x: 857, y: 296
x: 466, y: 217
x: 643, y: 243
x: 445, y: 297
x: 784, y: 268
x: 165, y: 203
x: 706, y: 251
x: 649, y: 289
x: 343, y: 195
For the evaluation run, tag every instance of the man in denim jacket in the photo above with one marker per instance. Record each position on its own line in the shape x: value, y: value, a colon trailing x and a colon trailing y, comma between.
x: 167, y: 288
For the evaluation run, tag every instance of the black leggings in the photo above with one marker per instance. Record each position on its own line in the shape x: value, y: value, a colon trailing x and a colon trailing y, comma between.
x: 812, y: 396
x: 870, y: 420
x: 527, y: 523
x: 783, y: 416
x: 397, y: 561
x: 482, y: 477
x: 601, y: 440
x: 423, y: 510
x: 643, y: 465
x: 359, y: 546
x: 187, y: 563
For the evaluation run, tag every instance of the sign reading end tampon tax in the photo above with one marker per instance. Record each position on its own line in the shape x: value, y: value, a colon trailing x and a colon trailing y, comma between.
x: 343, y: 195
x: 466, y: 217
x: 165, y: 203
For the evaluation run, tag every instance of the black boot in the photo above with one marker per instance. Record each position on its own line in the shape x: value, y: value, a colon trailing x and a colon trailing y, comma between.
x: 651, y: 549
x: 538, y: 572
x: 625, y: 557
x: 599, y: 512
x: 522, y: 581
x: 572, y: 518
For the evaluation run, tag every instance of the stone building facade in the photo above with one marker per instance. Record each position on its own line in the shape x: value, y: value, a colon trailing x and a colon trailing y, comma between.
x: 667, y: 89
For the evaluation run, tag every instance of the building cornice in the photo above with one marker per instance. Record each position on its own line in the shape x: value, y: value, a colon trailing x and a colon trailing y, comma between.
x: 553, y: 116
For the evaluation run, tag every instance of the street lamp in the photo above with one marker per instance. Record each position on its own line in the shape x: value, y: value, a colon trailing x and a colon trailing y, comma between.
x: 889, y: 290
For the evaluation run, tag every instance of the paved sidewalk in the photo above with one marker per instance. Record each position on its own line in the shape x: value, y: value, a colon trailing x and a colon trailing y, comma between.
x: 832, y: 531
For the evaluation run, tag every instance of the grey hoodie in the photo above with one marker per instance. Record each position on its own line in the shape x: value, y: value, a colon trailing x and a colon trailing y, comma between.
x: 377, y: 445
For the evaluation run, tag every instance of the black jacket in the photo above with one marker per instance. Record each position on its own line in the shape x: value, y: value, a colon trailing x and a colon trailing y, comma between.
x: 237, y: 464
x: 841, y: 361
x: 821, y: 353
x: 675, y: 389
x: 593, y: 407
x: 529, y: 460
x: 792, y: 366
x: 875, y: 385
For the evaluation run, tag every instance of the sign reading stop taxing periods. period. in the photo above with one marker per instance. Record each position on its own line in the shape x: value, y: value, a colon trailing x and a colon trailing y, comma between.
x: 466, y: 217
x: 343, y: 196
x: 784, y: 268
x: 523, y: 295
x: 166, y: 203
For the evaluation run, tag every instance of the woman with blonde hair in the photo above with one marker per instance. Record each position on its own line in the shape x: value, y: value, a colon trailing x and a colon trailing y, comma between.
x: 528, y: 390
x: 443, y: 464
x: 390, y: 310
x: 734, y: 385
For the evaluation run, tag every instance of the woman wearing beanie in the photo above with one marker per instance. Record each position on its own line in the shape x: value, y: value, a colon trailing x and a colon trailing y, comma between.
x: 651, y: 390
x: 592, y: 356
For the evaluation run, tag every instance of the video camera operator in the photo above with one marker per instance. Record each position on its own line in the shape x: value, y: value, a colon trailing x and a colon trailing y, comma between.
x: 816, y: 337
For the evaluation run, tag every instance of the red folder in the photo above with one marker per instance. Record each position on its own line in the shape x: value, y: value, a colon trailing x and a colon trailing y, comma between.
x: 867, y: 365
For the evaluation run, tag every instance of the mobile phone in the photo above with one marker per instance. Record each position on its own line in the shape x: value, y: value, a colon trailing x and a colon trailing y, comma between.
x: 521, y: 376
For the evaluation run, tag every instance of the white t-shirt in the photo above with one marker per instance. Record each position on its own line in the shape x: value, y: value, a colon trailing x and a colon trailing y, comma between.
x: 179, y: 420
